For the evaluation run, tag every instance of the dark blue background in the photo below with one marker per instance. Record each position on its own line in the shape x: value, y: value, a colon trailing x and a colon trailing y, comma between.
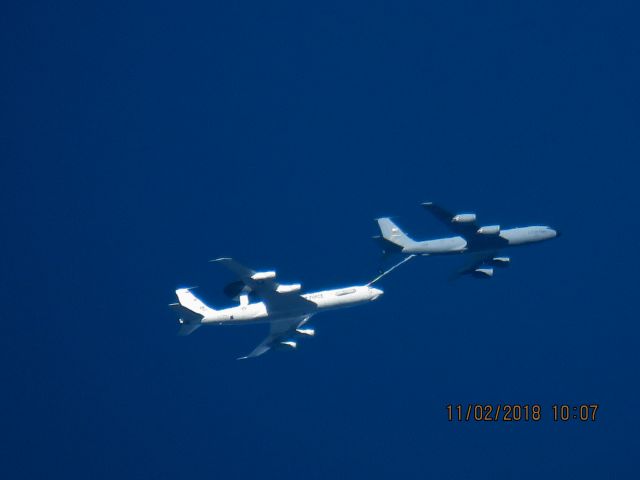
x: 139, y: 140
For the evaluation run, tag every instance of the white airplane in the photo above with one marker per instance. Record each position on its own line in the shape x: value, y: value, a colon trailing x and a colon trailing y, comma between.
x: 480, y: 243
x: 283, y: 306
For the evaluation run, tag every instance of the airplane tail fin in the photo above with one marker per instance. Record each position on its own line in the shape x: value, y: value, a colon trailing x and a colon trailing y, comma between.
x: 392, y: 236
x: 190, y: 310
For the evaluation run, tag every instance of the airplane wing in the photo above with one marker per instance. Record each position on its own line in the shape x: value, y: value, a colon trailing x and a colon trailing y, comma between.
x: 240, y: 270
x: 464, y: 224
x: 279, y: 332
x: 275, y: 296
x: 475, y: 261
x: 466, y: 229
x: 481, y: 265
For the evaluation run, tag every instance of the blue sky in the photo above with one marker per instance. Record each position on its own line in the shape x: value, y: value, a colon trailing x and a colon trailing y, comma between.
x: 141, y: 139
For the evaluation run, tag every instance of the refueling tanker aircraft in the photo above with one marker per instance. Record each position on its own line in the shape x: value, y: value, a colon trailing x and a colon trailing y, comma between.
x: 481, y: 243
x: 283, y: 307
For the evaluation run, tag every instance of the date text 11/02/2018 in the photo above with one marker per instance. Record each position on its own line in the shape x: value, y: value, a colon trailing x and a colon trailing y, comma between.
x: 521, y: 412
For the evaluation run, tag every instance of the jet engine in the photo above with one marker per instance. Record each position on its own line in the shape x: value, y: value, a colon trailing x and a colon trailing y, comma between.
x: 464, y: 218
x: 292, y: 344
x: 500, y: 262
x: 263, y: 275
x: 483, y: 272
x: 306, y: 331
x: 489, y: 230
x: 294, y: 287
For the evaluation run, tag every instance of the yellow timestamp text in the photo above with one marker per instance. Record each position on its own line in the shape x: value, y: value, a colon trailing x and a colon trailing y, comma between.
x: 515, y: 412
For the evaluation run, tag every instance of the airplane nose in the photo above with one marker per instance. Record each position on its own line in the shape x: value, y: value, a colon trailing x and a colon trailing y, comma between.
x: 558, y: 232
x: 376, y: 292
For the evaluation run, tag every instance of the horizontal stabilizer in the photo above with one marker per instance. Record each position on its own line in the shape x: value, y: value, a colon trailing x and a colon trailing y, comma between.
x: 185, y: 314
x: 188, y: 328
x: 188, y: 319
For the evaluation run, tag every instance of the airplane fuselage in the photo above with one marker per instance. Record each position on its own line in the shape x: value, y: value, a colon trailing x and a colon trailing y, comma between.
x: 317, y: 301
x: 505, y: 238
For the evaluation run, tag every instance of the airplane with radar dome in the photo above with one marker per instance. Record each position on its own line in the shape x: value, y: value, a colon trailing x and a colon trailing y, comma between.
x: 282, y: 306
x: 481, y: 244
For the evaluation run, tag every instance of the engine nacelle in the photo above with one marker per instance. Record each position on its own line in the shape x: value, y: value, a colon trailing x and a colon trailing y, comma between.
x: 308, y: 331
x: 294, y: 287
x: 500, y: 262
x: 483, y: 272
x: 489, y: 230
x: 289, y: 344
x: 263, y: 275
x: 464, y: 218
